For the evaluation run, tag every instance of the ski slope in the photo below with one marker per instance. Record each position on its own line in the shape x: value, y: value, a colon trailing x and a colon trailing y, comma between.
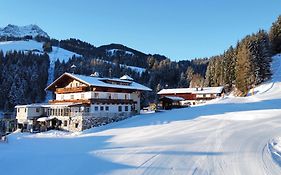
x: 36, y: 47
x: 230, y: 136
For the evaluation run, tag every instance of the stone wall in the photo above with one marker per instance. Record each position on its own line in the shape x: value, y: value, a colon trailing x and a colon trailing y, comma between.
x: 76, y: 124
x: 79, y: 123
x: 99, y: 121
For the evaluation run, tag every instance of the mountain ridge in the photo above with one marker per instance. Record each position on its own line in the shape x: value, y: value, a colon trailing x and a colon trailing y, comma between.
x: 22, y: 31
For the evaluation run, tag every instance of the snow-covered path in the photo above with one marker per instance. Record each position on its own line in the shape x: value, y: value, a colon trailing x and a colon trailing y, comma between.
x: 227, y: 136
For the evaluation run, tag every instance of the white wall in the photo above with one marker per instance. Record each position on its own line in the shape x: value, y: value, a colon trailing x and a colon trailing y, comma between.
x: 24, y: 113
x: 203, y: 95
x: 92, y: 95
x: 111, y: 108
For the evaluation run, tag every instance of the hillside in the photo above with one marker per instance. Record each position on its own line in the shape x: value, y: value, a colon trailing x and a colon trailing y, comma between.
x: 231, y: 135
x: 36, y: 47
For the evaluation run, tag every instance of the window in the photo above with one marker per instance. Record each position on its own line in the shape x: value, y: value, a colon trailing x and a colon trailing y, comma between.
x: 87, y: 109
x: 76, y: 125
x: 96, y: 95
x: 25, y: 110
x: 120, y: 108
x: 101, y: 108
x: 18, y: 109
x: 62, y: 97
x: 96, y: 108
x: 126, y: 96
x: 115, y: 96
x: 82, y: 96
x: 65, y: 123
x: 77, y: 84
x: 71, y: 96
x: 126, y: 108
x: 107, y: 108
x: 109, y: 96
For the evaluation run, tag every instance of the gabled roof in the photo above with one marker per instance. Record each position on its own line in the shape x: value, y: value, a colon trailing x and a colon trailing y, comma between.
x: 101, y: 82
x: 204, y: 90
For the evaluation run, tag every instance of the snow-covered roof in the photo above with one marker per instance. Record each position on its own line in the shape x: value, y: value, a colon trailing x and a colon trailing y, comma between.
x: 204, y: 90
x: 35, y: 105
x: 102, y: 82
x: 174, y: 98
x: 126, y: 77
x: 44, y: 105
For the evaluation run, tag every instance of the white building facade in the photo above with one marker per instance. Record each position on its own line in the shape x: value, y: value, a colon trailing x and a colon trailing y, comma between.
x: 82, y: 102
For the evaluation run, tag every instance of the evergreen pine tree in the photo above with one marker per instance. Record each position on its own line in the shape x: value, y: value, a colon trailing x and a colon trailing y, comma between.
x: 275, y: 36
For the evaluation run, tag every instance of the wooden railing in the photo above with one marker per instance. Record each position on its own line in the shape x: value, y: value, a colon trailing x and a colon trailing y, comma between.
x: 71, y: 90
x: 71, y: 101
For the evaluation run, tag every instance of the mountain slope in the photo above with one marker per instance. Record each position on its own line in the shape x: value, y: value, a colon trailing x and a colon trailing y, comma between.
x: 36, y: 47
x: 22, y: 31
x: 225, y: 136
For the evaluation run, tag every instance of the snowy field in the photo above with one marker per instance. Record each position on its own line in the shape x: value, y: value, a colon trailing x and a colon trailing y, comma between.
x: 231, y: 136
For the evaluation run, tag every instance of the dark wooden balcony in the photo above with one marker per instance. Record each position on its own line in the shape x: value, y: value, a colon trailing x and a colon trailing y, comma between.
x: 71, y: 90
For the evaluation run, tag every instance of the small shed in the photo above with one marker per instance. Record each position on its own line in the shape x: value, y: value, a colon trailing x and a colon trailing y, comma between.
x: 169, y: 102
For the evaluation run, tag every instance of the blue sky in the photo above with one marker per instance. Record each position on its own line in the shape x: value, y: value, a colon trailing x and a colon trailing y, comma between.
x: 178, y: 29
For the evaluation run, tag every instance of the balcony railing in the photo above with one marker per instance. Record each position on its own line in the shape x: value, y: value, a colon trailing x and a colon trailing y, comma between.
x: 71, y: 101
x: 71, y: 90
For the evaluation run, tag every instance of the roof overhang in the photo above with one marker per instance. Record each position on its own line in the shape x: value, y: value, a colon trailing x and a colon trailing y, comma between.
x: 52, y: 86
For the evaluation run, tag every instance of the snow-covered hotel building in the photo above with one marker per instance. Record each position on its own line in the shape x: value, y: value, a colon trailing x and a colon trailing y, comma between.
x: 82, y: 102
